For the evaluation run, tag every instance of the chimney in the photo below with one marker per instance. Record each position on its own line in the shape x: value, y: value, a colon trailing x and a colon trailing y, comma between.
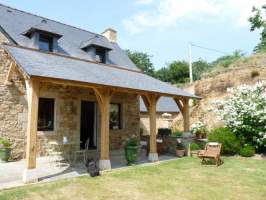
x: 110, y: 34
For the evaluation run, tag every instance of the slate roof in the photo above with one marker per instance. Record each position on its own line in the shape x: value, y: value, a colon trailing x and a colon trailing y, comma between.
x: 72, y: 63
x: 44, y: 27
x: 42, y: 64
x: 15, y: 22
x: 96, y: 41
x: 164, y: 104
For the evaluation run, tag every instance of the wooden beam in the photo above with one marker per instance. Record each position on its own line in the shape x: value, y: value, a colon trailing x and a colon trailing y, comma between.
x: 104, y: 96
x: 32, y: 88
x: 150, y: 101
x: 186, y: 115
x: 93, y: 85
x: 183, y: 105
x: 10, y: 72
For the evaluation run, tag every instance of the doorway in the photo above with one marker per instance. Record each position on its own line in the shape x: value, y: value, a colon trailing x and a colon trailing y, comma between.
x: 88, y: 125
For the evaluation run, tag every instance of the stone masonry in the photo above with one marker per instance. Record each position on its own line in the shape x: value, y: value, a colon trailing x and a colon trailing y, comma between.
x: 13, y: 113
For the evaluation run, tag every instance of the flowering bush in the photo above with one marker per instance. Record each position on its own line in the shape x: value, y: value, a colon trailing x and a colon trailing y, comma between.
x: 245, y: 113
x: 199, y: 128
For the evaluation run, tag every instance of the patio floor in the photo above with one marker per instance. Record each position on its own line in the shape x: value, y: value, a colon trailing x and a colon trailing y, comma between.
x: 11, y: 172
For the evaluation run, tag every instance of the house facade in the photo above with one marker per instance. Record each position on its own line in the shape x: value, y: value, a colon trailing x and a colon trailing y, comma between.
x: 59, y: 82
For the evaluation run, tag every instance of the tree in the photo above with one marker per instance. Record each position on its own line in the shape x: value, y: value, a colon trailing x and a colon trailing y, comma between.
x: 257, y: 22
x: 225, y: 61
x: 199, y: 67
x: 142, y: 61
x: 174, y: 72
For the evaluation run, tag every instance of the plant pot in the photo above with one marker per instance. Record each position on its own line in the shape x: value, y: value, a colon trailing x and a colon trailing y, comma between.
x: 198, y: 135
x: 5, y: 154
x: 180, y: 153
x: 131, y: 154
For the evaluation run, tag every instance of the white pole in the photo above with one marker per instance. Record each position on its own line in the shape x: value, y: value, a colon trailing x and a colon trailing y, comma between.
x: 190, y: 64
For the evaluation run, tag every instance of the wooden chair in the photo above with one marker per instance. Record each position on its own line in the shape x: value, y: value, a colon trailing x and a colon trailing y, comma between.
x: 213, y: 151
x: 55, y: 153
x: 83, y: 152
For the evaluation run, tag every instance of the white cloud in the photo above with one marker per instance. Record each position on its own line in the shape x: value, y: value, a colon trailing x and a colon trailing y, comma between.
x: 144, y: 1
x: 167, y: 13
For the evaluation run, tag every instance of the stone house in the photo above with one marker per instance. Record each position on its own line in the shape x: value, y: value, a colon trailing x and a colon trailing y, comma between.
x: 166, y: 113
x: 58, y: 81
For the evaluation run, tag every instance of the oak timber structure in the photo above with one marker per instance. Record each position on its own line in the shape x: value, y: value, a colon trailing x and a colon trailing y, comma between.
x: 69, y: 81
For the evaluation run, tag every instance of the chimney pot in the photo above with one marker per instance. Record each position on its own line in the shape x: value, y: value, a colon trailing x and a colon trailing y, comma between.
x: 110, y: 34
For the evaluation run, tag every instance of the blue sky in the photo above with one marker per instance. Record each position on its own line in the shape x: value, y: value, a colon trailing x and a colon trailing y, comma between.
x: 162, y: 28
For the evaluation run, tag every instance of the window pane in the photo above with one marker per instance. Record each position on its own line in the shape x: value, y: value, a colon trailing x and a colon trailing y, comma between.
x: 100, y: 55
x: 46, y: 114
x: 46, y: 43
x: 115, y: 116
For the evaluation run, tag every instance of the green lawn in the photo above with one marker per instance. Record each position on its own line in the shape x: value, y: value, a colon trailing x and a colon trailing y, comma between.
x: 237, y: 178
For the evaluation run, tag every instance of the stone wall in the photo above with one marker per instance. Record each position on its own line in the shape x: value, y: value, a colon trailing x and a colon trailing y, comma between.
x: 160, y: 121
x: 13, y: 113
x: 67, y: 115
x: 3, y: 38
x: 13, y: 109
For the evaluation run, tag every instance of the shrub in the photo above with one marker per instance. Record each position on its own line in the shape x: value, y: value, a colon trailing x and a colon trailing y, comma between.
x: 177, y: 133
x: 200, y: 129
x: 132, y: 141
x: 4, y: 143
x: 254, y: 73
x: 164, y: 132
x: 180, y: 145
x: 230, y: 143
x: 194, y: 147
x: 244, y: 113
x: 247, y: 151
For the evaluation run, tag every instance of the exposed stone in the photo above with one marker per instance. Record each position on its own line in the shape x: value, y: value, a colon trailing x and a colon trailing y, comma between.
x: 13, y: 109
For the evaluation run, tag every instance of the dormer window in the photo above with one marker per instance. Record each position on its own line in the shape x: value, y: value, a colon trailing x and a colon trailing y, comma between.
x: 45, y: 43
x: 43, y: 36
x: 97, y: 48
x: 101, y: 55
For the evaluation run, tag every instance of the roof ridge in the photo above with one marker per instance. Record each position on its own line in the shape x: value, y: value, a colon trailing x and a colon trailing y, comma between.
x: 74, y: 58
x: 46, y: 18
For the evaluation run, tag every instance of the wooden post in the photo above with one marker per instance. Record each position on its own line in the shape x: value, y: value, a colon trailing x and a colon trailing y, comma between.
x: 104, y: 97
x: 150, y: 101
x: 32, y: 88
x: 183, y: 105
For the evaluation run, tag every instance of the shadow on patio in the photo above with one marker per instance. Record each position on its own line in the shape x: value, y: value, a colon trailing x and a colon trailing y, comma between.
x: 11, y: 173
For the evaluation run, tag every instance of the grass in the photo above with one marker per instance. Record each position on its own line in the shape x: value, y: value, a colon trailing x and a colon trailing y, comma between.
x: 237, y: 178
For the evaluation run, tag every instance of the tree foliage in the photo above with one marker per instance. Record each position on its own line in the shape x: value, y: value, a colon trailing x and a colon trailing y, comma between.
x: 245, y: 113
x: 227, y: 60
x: 142, y: 61
x: 258, y: 23
x: 177, y: 72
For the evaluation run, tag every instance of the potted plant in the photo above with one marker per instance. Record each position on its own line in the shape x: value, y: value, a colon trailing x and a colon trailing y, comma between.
x: 180, y: 148
x: 5, y: 150
x: 131, y: 150
x: 177, y: 133
x: 199, y: 129
x: 194, y: 149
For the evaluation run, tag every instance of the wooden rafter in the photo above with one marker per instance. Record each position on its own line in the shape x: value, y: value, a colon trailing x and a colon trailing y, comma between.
x: 11, y: 69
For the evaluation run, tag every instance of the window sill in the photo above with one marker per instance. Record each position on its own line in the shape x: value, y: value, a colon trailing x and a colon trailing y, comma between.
x: 42, y: 133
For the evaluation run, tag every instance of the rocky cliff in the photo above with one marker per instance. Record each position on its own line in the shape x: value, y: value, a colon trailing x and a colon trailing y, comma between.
x: 213, y: 86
